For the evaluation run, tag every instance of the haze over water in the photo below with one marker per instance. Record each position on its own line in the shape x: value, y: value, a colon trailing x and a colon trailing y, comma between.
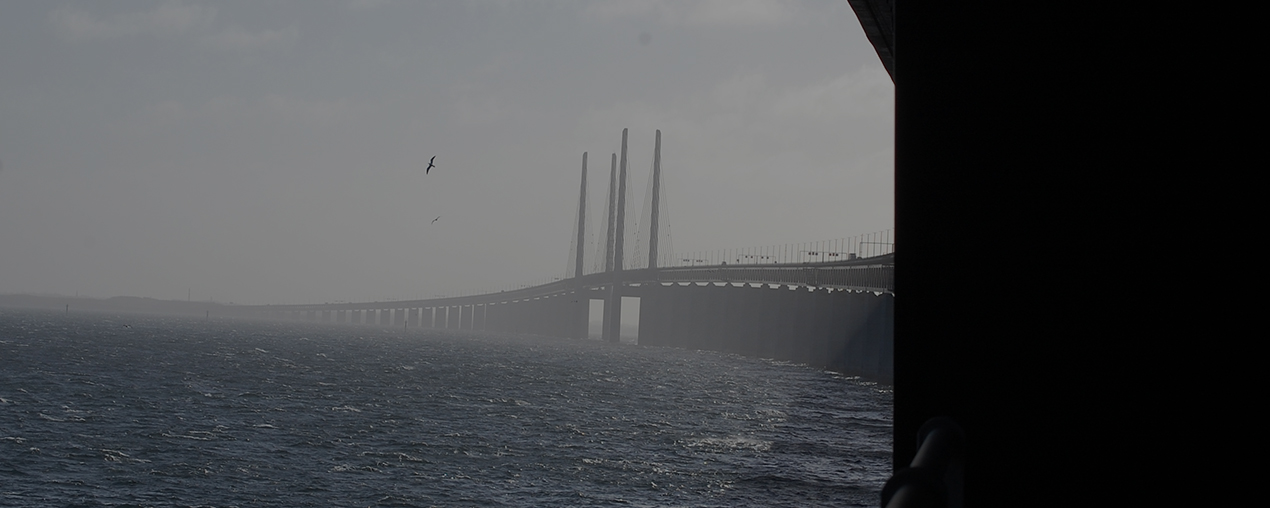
x: 102, y: 410
x: 276, y: 152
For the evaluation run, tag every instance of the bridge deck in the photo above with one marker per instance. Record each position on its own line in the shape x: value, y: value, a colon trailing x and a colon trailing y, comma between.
x: 873, y: 274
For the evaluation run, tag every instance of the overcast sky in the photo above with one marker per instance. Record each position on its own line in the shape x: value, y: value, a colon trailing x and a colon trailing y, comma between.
x: 274, y: 151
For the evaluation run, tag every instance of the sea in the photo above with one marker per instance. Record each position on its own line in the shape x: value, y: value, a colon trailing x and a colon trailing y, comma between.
x: 137, y: 410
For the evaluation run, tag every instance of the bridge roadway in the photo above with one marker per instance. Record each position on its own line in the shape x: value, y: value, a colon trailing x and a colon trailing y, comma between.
x: 836, y: 315
x: 874, y: 274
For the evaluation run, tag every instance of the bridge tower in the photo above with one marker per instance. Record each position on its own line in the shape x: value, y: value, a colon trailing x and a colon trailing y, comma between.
x: 581, y: 302
x: 612, y: 217
x: 613, y: 304
x: 581, y: 247
x: 656, y: 209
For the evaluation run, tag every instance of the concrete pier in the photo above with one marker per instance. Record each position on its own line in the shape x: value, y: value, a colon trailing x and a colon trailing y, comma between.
x: 613, y: 305
x: 846, y: 331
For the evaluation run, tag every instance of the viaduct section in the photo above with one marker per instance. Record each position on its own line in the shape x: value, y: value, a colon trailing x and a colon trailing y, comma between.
x: 836, y: 313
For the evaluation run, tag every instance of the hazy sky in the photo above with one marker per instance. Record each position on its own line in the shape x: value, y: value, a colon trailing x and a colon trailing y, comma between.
x: 273, y: 151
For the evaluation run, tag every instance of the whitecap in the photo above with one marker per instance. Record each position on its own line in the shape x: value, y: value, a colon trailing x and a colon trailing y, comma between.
x: 732, y: 442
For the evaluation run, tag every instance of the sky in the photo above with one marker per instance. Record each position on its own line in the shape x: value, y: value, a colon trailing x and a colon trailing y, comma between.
x: 269, y: 152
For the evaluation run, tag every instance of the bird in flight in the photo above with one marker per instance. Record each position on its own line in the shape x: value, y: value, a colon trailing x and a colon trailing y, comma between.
x: 434, y: 221
x: 430, y: 165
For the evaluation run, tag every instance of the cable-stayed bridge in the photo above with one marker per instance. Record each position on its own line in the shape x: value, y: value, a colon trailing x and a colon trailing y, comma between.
x: 826, y: 303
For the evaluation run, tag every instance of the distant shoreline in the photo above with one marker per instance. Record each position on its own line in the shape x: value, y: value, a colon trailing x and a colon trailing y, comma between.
x: 129, y: 304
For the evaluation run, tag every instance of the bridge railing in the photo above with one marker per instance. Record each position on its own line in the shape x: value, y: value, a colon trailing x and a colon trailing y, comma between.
x: 862, y: 263
x: 873, y: 274
x: 869, y: 245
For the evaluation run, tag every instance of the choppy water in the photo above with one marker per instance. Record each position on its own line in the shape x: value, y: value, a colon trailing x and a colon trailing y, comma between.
x: 100, y: 410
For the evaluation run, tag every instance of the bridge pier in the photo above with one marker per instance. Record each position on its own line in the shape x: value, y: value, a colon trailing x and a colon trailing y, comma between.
x: 529, y: 315
x: 490, y: 317
x: 847, y: 331
x: 533, y: 313
x: 558, y: 316
x: 579, y: 313
x: 502, y: 316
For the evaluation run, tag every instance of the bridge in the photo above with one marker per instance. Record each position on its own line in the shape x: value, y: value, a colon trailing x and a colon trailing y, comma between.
x: 826, y: 303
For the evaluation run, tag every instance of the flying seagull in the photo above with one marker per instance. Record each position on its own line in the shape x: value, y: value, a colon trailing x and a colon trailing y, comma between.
x: 430, y: 165
x: 434, y: 221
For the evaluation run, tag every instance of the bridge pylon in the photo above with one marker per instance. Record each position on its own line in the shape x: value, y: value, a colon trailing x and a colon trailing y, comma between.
x: 656, y: 209
x: 613, y: 304
x: 581, y: 304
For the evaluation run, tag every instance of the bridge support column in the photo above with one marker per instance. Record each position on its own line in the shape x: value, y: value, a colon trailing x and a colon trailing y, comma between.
x: 614, y: 323
x: 533, y: 313
x: 525, y: 316
x: 580, y: 313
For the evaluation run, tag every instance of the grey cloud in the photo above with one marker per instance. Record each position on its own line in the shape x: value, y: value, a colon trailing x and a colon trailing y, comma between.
x: 235, y: 38
x: 737, y: 13
x: 165, y: 19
